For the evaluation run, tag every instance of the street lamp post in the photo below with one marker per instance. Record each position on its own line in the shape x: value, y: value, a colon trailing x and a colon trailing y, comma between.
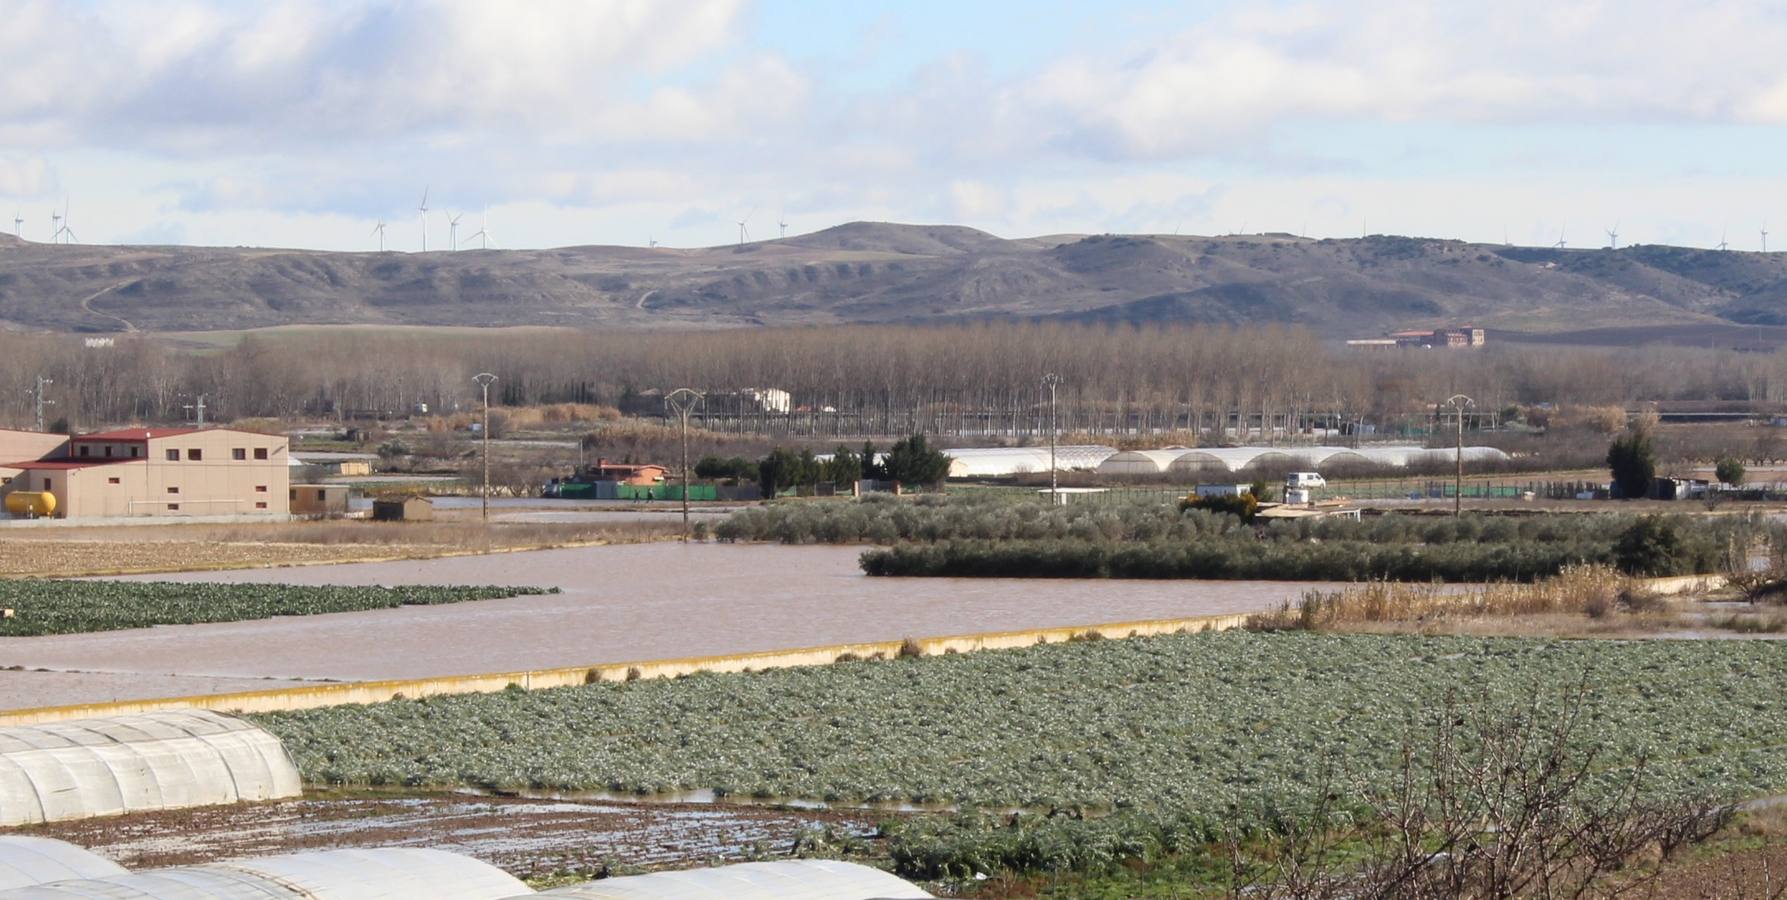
x: 484, y: 380
x: 683, y: 401
x: 1459, y: 404
x: 1051, y: 381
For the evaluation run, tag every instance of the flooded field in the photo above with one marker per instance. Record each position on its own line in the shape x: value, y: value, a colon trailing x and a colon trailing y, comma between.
x: 619, y: 604
x: 528, y: 838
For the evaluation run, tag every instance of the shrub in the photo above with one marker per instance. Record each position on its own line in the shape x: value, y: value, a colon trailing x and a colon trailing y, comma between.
x: 1242, y: 506
x: 1654, y: 545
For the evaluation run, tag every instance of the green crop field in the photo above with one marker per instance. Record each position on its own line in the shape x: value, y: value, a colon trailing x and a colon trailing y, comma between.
x: 1112, y: 749
x: 42, y: 606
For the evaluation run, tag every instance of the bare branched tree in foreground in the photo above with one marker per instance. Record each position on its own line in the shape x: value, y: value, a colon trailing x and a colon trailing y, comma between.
x: 1489, y: 805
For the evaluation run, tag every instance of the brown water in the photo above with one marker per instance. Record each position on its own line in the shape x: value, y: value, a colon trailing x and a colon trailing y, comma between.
x: 622, y: 603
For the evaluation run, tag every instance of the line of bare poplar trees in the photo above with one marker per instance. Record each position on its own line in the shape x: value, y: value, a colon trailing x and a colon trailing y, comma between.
x: 967, y: 379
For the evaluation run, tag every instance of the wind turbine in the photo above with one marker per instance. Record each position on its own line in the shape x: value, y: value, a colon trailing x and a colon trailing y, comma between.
x: 483, y: 234
x: 1765, y: 237
x: 1561, y: 244
x: 453, y: 231
x: 18, y: 223
x: 742, y: 231
x: 379, y: 230
x: 423, y: 209
x: 1722, y: 245
x: 782, y: 224
x: 651, y: 243
x: 67, y: 230
x: 1613, y: 237
x: 55, y: 226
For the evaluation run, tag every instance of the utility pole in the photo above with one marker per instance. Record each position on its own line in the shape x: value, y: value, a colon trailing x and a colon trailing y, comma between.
x: 484, y: 379
x: 198, y: 410
x: 37, y: 398
x: 1459, y: 404
x: 683, y: 401
x: 1051, y: 381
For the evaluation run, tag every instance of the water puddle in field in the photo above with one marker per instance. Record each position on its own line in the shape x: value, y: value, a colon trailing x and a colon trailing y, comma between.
x: 708, y: 797
x: 527, y: 837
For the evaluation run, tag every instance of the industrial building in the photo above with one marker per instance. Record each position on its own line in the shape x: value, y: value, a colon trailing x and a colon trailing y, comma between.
x: 179, y: 472
x: 1444, y: 338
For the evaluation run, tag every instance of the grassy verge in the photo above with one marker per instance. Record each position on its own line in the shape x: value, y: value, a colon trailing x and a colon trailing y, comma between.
x: 1076, y: 757
x: 39, y: 607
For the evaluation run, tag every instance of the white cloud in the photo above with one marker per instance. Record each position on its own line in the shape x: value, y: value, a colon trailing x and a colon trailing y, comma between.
x: 25, y: 176
x: 299, y: 123
x: 1206, y: 89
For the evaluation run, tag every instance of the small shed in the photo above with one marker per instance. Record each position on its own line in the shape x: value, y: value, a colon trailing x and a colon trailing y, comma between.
x: 323, y: 501
x: 403, y: 509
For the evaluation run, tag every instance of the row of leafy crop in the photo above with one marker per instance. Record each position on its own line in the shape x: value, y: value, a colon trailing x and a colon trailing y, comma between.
x: 43, y: 606
x: 1255, y: 560
x: 887, y: 520
x: 1113, y: 750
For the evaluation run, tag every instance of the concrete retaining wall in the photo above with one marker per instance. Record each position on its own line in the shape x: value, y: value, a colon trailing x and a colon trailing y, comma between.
x: 380, y: 691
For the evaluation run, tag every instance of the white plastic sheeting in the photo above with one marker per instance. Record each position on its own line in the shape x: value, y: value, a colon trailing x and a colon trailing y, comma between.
x: 994, y: 462
x: 1234, y: 459
x: 28, y: 860
x: 393, y: 873
x: 801, y: 879
x: 161, y: 760
x: 1141, y: 462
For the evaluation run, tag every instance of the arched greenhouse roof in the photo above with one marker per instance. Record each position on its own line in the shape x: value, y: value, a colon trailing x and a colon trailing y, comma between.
x: 26, y: 860
x: 161, y: 760
x: 376, y: 874
x: 801, y: 879
x: 1141, y: 462
x: 994, y: 462
x: 1323, y: 456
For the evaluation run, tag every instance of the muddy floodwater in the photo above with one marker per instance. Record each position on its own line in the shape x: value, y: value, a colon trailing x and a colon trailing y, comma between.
x: 528, y: 838
x: 619, y: 604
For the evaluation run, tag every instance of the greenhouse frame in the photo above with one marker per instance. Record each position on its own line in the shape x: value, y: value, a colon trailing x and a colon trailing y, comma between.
x: 161, y: 760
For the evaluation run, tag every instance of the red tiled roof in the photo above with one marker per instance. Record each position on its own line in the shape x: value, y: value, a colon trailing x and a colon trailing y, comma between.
x: 135, y: 434
x: 63, y: 464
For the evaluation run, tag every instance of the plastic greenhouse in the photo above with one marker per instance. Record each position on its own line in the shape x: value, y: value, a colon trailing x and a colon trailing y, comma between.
x: 34, y: 860
x: 382, y: 874
x: 993, y: 462
x: 803, y: 879
x: 161, y: 760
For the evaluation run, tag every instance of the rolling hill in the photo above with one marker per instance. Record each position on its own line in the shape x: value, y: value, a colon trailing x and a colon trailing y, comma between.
x: 874, y: 272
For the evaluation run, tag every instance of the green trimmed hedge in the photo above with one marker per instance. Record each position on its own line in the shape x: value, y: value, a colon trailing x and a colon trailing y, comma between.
x: 44, y: 606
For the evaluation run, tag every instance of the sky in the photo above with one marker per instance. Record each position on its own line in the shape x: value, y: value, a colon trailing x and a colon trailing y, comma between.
x: 567, y: 122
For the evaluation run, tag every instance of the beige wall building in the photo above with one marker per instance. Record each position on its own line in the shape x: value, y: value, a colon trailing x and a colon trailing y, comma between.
x: 159, y: 472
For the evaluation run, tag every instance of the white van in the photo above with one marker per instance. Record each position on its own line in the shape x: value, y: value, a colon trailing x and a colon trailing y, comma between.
x: 1304, y: 481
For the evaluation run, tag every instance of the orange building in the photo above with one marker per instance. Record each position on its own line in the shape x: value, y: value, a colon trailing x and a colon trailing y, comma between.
x: 626, y: 473
x: 157, y: 472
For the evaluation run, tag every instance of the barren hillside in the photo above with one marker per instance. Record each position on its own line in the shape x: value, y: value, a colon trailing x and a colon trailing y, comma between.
x: 873, y: 272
